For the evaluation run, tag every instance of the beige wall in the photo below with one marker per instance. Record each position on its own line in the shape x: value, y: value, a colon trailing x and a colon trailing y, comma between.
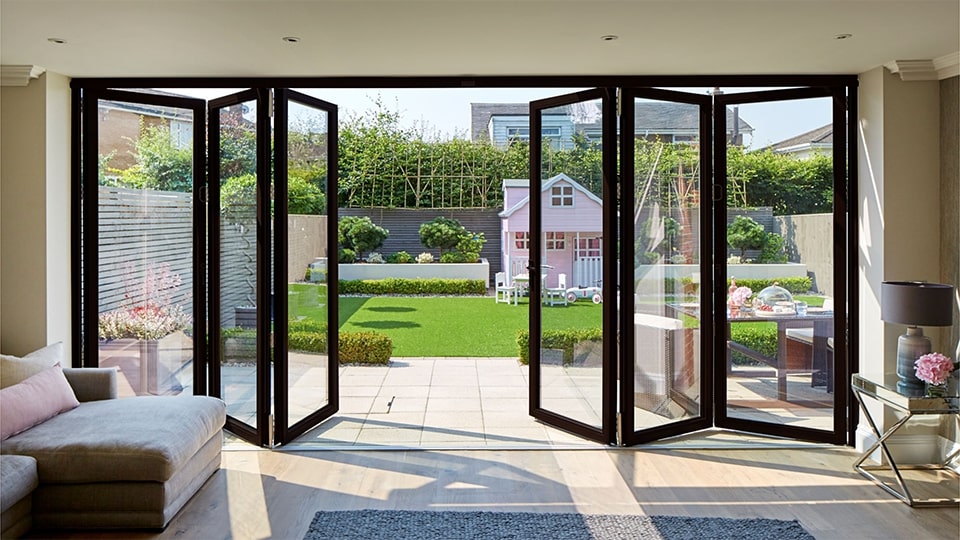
x: 950, y: 201
x: 900, y: 209
x: 35, y: 214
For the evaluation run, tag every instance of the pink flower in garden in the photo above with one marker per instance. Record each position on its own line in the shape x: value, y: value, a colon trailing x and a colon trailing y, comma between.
x: 933, y: 368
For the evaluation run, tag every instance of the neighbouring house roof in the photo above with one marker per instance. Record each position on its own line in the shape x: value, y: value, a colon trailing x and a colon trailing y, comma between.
x: 820, y: 137
x: 652, y: 117
x: 523, y: 183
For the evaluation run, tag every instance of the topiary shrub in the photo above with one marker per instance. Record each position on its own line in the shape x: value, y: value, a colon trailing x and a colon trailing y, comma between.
x: 360, y: 234
x: 346, y: 256
x: 442, y: 233
x: 745, y: 233
x: 364, y: 348
x: 565, y: 340
x: 773, y: 251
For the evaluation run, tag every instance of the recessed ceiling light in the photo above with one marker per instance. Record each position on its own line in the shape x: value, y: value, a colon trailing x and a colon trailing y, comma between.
x: 292, y: 39
x: 58, y: 41
x: 843, y: 36
x: 609, y: 37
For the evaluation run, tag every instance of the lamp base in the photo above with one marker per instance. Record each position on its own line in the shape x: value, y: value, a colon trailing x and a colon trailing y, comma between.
x: 911, y: 346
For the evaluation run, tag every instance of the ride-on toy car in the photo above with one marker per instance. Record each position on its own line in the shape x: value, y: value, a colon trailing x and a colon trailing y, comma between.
x: 594, y: 293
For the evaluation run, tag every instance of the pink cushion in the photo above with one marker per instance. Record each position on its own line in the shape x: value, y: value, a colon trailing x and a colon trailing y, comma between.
x: 36, y: 399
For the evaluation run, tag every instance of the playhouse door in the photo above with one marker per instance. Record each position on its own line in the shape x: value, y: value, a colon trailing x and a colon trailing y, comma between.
x: 572, y: 381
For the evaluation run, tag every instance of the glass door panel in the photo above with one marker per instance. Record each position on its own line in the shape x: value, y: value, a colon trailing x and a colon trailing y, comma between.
x: 240, y: 241
x: 779, y: 366
x: 148, y: 311
x: 665, y: 386
x: 306, y: 172
x: 570, y: 369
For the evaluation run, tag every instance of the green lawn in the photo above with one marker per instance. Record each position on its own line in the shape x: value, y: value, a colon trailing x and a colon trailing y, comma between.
x: 450, y: 326
x: 440, y: 326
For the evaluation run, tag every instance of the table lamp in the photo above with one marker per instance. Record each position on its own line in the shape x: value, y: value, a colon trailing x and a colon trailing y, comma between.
x: 914, y: 304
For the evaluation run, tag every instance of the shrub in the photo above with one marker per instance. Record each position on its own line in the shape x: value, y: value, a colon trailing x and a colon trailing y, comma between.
x: 772, y: 251
x: 364, y: 348
x: 315, y: 342
x: 432, y: 286
x: 471, y: 244
x: 453, y: 257
x: 400, y: 257
x: 745, y: 233
x: 796, y: 285
x: 425, y: 258
x: 375, y: 258
x: 360, y: 234
x: 442, y: 233
x: 761, y: 337
x: 346, y: 255
x: 557, y: 339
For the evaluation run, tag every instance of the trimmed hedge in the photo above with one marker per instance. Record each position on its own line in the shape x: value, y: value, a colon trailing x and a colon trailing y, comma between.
x: 431, y: 286
x: 759, y: 336
x: 311, y: 336
x: 557, y: 339
x: 796, y: 285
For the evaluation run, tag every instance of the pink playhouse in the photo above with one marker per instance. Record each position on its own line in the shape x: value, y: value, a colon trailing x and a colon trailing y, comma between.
x: 572, y: 228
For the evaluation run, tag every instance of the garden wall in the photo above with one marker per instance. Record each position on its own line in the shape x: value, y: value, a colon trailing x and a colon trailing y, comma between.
x: 809, y: 240
x: 479, y: 270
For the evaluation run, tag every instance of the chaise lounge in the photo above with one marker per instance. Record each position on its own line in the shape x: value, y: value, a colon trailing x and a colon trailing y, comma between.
x: 108, y: 462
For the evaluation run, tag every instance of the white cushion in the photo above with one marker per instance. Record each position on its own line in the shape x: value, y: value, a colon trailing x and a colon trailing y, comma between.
x: 14, y: 370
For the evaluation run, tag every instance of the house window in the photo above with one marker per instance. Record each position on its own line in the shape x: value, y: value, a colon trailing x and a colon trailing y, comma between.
x: 522, y: 240
x: 555, y: 241
x: 523, y: 133
x: 687, y: 139
x: 588, y: 247
x: 561, y: 196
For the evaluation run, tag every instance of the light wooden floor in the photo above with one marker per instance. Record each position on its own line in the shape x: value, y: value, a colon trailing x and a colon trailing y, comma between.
x: 264, y: 494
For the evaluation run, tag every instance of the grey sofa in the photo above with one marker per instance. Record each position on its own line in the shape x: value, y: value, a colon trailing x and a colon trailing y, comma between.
x: 118, y: 463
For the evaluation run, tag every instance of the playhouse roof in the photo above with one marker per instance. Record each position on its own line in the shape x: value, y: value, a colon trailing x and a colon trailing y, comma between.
x: 524, y: 183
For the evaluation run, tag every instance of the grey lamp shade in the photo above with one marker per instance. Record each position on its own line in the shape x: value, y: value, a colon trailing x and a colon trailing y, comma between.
x: 916, y: 303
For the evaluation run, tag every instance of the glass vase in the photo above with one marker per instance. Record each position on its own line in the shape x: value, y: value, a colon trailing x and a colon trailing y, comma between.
x: 937, y: 390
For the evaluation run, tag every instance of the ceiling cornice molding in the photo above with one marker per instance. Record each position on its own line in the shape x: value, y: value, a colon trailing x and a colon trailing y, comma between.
x: 937, y: 69
x: 947, y: 65
x: 913, y: 70
x: 19, y: 75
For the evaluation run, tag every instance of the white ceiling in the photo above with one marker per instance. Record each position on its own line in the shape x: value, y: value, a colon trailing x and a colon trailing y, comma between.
x: 124, y: 38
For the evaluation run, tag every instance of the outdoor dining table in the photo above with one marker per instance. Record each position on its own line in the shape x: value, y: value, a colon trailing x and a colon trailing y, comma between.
x: 820, y: 320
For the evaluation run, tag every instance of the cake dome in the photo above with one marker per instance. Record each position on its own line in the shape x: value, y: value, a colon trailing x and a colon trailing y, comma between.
x: 774, y: 298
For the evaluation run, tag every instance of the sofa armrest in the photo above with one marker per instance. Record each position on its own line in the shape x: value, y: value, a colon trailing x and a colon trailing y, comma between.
x: 92, y: 384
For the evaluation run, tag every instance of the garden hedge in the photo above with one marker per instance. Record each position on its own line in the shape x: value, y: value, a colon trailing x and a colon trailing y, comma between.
x: 431, y: 286
x: 796, y: 285
x: 311, y: 336
x: 565, y: 340
x: 759, y: 336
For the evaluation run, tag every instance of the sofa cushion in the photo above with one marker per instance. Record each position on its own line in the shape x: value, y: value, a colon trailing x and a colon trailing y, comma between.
x: 18, y: 478
x: 34, y: 400
x: 145, y: 438
x: 14, y: 369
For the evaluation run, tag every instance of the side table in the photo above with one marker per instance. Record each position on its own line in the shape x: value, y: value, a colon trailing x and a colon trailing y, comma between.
x: 886, y: 393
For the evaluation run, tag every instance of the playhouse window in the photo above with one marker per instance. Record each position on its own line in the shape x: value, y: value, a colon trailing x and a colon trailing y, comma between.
x: 561, y: 196
x: 522, y: 240
x: 588, y: 247
x: 555, y: 241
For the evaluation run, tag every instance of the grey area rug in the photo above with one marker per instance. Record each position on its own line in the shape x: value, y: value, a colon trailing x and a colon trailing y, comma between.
x: 403, y: 524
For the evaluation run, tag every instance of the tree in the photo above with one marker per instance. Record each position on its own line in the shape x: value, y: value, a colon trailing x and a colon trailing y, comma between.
x: 442, y: 233
x: 159, y: 164
x: 360, y: 234
x: 745, y: 233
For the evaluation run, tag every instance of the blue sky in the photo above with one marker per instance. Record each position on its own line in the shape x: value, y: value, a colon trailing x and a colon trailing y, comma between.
x: 446, y: 112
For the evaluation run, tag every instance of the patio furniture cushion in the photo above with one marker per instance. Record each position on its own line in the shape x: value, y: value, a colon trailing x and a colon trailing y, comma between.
x: 34, y: 400
x: 147, y: 438
x: 14, y: 369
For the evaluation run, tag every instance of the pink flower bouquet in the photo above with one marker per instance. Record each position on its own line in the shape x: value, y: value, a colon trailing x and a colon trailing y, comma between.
x: 740, y: 295
x: 933, y: 368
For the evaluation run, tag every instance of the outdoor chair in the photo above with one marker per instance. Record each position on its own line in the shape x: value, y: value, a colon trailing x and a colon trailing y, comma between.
x: 504, y: 292
x: 556, y: 295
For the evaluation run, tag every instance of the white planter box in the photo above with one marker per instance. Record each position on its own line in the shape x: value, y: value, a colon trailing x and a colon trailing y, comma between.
x: 478, y: 270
